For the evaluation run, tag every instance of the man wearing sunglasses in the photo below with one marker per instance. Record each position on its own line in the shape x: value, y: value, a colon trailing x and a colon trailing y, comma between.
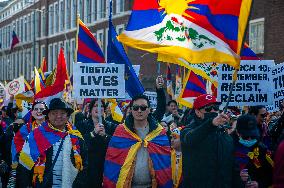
x: 207, y: 149
x: 138, y: 155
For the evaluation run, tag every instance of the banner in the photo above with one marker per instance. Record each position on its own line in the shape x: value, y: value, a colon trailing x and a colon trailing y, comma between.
x: 98, y: 80
x: 252, y: 87
x: 2, y: 94
x: 277, y: 79
x: 16, y: 86
x: 152, y: 96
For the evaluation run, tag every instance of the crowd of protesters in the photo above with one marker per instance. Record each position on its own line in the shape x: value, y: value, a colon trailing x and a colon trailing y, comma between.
x: 163, y: 147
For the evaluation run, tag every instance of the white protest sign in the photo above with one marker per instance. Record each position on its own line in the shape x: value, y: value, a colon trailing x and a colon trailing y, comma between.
x: 16, y: 86
x: 152, y: 96
x: 252, y: 87
x: 277, y: 79
x: 98, y: 80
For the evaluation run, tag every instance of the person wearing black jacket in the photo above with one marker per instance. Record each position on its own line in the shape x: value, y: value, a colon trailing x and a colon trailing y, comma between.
x: 97, y: 137
x: 207, y: 150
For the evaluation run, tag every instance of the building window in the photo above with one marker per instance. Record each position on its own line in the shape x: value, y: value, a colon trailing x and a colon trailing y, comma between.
x: 22, y: 29
x: 256, y: 35
x: 94, y: 10
x: 119, y: 29
x: 50, y: 57
x: 51, y: 18
x: 73, y: 48
x: 106, y: 43
x: 88, y: 9
x: 120, y: 6
x: 100, y: 38
x: 56, y: 18
x: 42, y: 52
x: 67, y: 14
x: 55, y: 54
x: 101, y: 10
x: 74, y: 13
x: 29, y: 23
x: 62, y: 14
x: 43, y: 22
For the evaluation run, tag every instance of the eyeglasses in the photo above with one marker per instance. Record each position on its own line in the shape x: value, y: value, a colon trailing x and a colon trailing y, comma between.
x: 209, y: 108
x: 142, y: 108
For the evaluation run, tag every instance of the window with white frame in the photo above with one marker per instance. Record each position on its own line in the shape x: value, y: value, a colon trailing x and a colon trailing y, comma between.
x: 50, y: 57
x: 29, y: 24
x: 67, y: 14
x: 25, y: 28
x: 94, y: 10
x: 55, y: 54
x: 56, y: 17
x: 101, y: 9
x: 50, y: 20
x: 100, y: 38
x: 73, y: 13
x: 61, y: 15
x: 120, y: 6
x: 119, y: 29
x: 43, y: 22
x: 256, y: 35
x: 88, y: 9
x: 80, y: 9
x: 21, y: 29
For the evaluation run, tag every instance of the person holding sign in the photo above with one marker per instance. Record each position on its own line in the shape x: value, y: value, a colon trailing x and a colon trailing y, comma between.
x: 207, y: 149
x: 97, y: 137
x: 139, y: 153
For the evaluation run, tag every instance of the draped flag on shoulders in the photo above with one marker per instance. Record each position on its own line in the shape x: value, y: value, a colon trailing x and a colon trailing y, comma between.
x: 41, y: 139
x: 56, y: 89
x: 194, y: 85
x: 199, y: 31
x: 88, y: 49
x: 117, y: 55
x: 170, y: 90
x: 122, y: 151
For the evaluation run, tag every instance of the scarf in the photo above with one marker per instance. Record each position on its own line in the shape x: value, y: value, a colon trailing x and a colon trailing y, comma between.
x: 19, y: 140
x: 177, y: 176
x: 40, y: 140
x: 121, y: 154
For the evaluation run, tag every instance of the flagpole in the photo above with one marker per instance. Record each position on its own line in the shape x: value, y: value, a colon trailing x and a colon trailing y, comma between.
x: 236, y: 70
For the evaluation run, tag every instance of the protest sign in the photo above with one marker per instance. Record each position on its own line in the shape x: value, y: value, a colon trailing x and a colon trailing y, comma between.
x: 252, y: 87
x: 16, y: 86
x: 152, y: 96
x: 277, y: 79
x: 2, y: 91
x: 98, y: 80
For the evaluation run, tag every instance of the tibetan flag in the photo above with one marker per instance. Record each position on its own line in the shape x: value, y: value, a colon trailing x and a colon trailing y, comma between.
x: 56, y: 89
x: 38, y: 82
x: 198, y: 31
x: 88, y: 49
x: 194, y: 85
x: 43, y: 65
x: 248, y: 54
x: 15, y: 40
x: 117, y: 55
x: 178, y: 82
x: 169, y: 82
x: 27, y: 85
x: 121, y: 153
x: 116, y: 112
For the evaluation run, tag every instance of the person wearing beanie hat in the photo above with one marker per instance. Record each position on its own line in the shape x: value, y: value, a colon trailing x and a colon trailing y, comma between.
x: 55, y: 151
x: 207, y: 149
x: 252, y: 156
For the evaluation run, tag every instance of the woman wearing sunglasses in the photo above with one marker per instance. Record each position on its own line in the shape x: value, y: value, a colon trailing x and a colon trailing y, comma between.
x: 252, y: 156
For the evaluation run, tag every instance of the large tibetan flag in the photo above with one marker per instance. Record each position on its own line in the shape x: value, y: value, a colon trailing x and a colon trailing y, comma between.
x: 117, y: 55
x: 194, y: 85
x: 199, y: 31
x: 56, y: 89
x: 15, y: 40
x: 88, y: 50
x: 170, y: 90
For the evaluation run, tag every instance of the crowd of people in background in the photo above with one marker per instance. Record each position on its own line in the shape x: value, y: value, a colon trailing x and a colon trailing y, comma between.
x: 79, y: 146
